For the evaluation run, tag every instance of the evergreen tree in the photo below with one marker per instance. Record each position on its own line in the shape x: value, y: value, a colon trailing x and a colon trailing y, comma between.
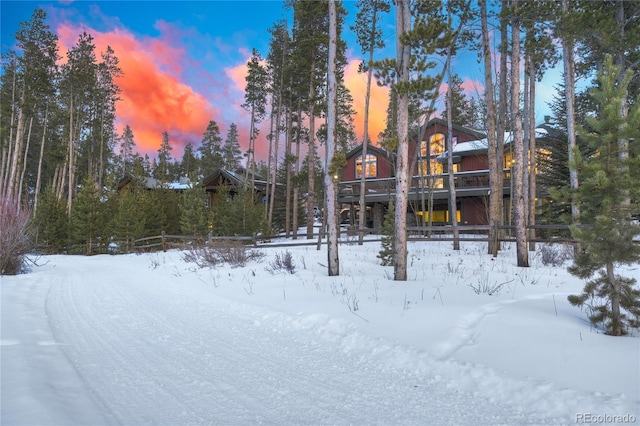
x: 27, y: 89
x: 154, y: 215
x: 52, y: 222
x: 210, y: 150
x: 87, y: 218
x: 606, y: 181
x: 189, y: 164
x: 78, y: 92
x: 255, y: 102
x: 195, y: 217
x: 129, y: 220
x: 231, y: 152
x: 127, y: 147
x: 236, y: 213
x: 387, y: 241
x: 162, y: 169
x: 460, y: 104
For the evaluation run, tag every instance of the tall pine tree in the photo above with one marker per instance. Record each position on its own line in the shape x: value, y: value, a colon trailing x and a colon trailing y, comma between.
x: 606, y: 181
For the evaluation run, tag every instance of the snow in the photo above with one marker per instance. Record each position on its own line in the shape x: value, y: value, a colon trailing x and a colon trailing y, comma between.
x: 151, y: 339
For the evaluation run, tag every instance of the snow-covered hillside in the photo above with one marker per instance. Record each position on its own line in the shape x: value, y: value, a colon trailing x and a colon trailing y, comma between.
x: 152, y: 339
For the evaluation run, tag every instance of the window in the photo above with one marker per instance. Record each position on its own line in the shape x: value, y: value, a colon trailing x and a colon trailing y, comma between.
x: 429, y: 164
x: 370, y: 166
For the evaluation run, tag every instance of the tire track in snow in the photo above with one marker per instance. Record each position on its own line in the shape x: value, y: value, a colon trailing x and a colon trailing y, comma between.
x: 166, y: 351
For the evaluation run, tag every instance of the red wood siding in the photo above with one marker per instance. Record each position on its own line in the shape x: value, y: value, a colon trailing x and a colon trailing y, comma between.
x: 474, y: 211
x: 474, y: 162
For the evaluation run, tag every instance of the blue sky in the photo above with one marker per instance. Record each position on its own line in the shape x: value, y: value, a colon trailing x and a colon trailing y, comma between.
x: 185, y: 61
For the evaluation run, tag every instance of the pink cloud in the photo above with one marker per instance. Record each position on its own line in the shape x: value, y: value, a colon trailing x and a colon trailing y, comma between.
x: 154, y: 99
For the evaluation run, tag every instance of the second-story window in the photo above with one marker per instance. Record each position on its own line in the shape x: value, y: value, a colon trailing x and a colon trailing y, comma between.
x: 370, y: 166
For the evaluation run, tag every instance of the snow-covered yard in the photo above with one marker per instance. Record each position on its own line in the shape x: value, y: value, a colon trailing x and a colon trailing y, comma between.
x: 152, y: 339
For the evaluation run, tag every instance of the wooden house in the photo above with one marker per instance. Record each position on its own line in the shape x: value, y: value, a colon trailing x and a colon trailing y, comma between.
x: 429, y: 178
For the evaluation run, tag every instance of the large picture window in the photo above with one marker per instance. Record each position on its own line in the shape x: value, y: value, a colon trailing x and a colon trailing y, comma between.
x: 370, y: 166
x: 428, y: 163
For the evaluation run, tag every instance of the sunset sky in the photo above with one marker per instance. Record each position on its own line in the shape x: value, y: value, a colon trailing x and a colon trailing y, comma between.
x: 184, y: 62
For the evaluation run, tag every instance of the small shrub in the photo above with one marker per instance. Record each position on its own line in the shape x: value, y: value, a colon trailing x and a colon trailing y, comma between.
x: 15, y: 236
x: 554, y: 255
x: 232, y: 252
x: 486, y: 287
x: 283, y: 262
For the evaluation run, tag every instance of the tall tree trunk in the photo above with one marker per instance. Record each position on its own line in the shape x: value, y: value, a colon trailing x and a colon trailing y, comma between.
x: 569, y: 87
x: 101, y: 156
x: 40, y: 158
x: 620, y: 60
x: 71, y: 164
x: 526, y: 138
x: 532, y: 154
x: 503, y: 108
x: 616, y: 320
x: 288, y: 165
x: 522, y: 254
x: 296, y: 185
x: 12, y: 184
x: 403, y: 56
x: 365, y: 136
x: 270, y: 161
x: 276, y: 149
x: 250, y: 150
x: 5, y: 168
x: 311, y: 159
x: 495, y: 192
x: 330, y: 185
x: 453, y: 204
x: 24, y: 164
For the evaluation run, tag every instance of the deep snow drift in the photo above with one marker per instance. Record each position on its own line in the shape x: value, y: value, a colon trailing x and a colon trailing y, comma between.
x: 152, y: 339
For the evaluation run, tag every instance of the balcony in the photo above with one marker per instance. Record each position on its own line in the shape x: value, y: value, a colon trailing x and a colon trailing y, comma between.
x: 468, y: 184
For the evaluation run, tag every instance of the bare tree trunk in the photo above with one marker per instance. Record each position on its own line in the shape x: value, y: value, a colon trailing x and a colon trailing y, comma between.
x: 403, y: 55
x: 12, y: 184
x: 503, y: 108
x: 365, y: 137
x: 296, y: 186
x: 24, y: 164
x: 288, y: 165
x: 332, y: 223
x: 522, y: 253
x: 526, y: 138
x: 5, y: 168
x: 71, y: 156
x: 270, y: 184
x: 533, y: 200
x: 101, y: 158
x: 250, y: 150
x: 620, y: 60
x: 495, y: 191
x: 276, y: 147
x: 311, y: 159
x: 453, y: 204
x: 616, y: 320
x: 40, y: 158
x: 570, y: 87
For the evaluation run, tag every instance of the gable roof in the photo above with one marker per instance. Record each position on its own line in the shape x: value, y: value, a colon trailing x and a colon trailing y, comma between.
x: 477, y: 134
x: 235, y: 179
x: 371, y: 149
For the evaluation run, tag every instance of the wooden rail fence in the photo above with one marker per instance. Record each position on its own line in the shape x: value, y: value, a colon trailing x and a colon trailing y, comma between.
x: 348, y: 234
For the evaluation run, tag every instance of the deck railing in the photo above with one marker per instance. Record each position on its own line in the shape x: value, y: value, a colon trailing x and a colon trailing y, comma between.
x: 384, y: 187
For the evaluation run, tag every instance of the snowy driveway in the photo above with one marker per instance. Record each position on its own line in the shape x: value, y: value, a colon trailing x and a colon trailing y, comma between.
x: 92, y: 341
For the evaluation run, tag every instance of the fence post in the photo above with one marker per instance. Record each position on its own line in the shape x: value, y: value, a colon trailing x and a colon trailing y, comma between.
x: 255, y: 239
x: 164, y: 243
